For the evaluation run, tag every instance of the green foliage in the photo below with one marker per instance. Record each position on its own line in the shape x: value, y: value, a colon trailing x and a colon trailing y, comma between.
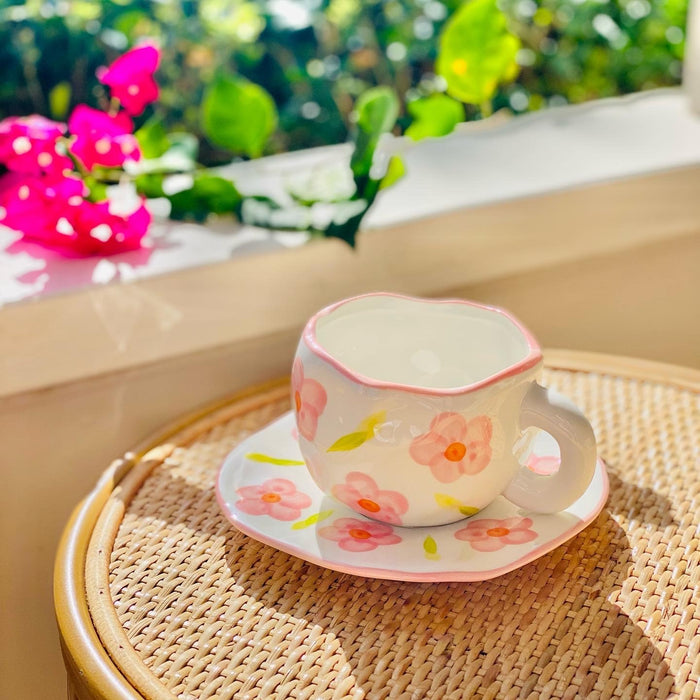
x: 238, y: 115
x: 316, y: 63
x: 153, y: 139
x: 209, y: 194
x: 436, y: 115
x: 477, y: 52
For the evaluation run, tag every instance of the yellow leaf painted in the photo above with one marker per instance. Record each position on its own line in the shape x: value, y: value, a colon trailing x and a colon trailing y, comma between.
x: 365, y: 432
x: 430, y: 545
x: 350, y: 442
x: 258, y: 457
x: 312, y: 520
x: 368, y: 424
x: 445, y: 501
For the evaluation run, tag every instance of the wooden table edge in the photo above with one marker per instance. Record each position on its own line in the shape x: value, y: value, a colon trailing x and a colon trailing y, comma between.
x: 94, y: 673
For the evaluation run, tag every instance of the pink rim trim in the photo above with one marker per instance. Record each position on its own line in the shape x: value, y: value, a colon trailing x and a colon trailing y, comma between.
x: 422, y: 577
x: 533, y: 357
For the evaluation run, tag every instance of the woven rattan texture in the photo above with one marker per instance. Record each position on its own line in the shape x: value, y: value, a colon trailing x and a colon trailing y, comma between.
x: 612, y: 613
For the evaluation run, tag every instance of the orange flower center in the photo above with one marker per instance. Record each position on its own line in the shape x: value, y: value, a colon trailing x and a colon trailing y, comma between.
x: 359, y: 534
x: 297, y: 400
x: 271, y: 497
x: 455, y: 452
x: 498, y: 531
x: 371, y: 506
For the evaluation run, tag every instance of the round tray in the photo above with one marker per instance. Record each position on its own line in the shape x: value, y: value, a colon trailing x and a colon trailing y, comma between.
x: 158, y: 596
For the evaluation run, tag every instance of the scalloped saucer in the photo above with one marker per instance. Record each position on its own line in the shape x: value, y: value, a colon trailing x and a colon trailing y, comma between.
x: 265, y: 490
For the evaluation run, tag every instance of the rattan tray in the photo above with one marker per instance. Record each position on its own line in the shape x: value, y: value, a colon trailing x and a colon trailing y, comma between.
x: 180, y: 604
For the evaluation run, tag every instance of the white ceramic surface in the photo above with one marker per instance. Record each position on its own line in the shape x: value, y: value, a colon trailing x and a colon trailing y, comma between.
x: 426, y: 397
x: 265, y: 490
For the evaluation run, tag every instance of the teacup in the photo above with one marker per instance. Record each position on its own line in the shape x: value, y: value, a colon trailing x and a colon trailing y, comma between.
x: 414, y: 411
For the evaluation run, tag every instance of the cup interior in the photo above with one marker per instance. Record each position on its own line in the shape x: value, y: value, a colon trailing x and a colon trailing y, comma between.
x: 421, y: 343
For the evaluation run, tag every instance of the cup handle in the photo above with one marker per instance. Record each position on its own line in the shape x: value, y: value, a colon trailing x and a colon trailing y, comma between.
x: 550, y: 411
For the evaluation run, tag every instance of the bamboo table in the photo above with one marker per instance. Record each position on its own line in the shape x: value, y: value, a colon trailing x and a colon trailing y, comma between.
x: 158, y: 596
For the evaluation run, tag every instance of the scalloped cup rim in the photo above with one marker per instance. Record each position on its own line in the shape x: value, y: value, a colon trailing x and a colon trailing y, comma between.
x: 529, y: 361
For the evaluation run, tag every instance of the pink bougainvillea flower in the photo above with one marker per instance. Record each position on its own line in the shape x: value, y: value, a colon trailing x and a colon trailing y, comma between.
x: 31, y: 145
x: 92, y: 229
x: 53, y: 211
x: 360, y: 492
x: 454, y: 446
x: 277, y: 498
x: 489, y: 534
x: 359, y: 535
x: 130, y: 78
x: 34, y: 205
x: 309, y: 401
x: 101, y: 138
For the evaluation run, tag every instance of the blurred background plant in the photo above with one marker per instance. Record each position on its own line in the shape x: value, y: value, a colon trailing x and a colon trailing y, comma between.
x: 245, y: 78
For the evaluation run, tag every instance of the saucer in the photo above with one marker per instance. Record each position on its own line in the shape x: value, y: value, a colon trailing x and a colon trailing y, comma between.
x: 265, y: 490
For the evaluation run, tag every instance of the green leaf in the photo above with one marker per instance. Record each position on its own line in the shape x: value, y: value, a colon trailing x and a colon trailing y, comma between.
x: 259, y: 457
x: 468, y: 510
x: 238, y: 115
x: 377, y: 110
x: 349, y: 442
x: 477, y: 52
x: 150, y: 185
x: 152, y: 139
x: 312, y: 520
x: 209, y: 194
x: 436, y: 115
x: 180, y: 153
x: 429, y: 545
x: 59, y: 99
x: 394, y: 172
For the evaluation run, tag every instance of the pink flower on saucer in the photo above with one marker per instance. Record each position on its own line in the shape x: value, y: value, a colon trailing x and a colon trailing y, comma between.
x: 454, y: 446
x: 545, y: 465
x: 130, y: 78
x: 309, y: 401
x: 277, y: 498
x: 490, y: 534
x: 360, y: 492
x: 355, y: 535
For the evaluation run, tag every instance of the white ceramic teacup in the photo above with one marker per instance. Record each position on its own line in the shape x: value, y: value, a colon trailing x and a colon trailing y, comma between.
x: 412, y: 411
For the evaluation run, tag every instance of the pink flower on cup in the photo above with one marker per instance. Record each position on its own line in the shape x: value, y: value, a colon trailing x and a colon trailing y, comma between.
x: 130, y: 78
x: 543, y: 464
x: 30, y: 145
x: 355, y: 535
x: 101, y: 138
x: 361, y: 493
x: 490, y: 534
x: 454, y: 446
x: 309, y: 399
x: 277, y: 498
